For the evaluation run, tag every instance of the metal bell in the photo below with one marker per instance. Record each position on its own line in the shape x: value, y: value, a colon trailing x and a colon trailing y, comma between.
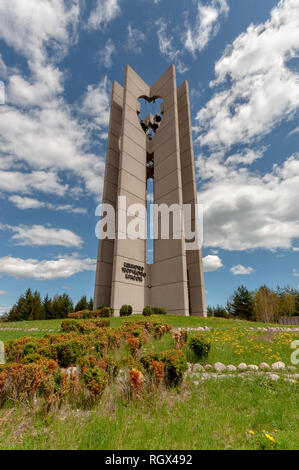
x: 157, y: 118
x: 144, y: 126
x: 154, y: 127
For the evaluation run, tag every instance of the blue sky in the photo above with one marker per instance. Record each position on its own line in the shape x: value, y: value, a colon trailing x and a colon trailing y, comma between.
x: 57, y: 62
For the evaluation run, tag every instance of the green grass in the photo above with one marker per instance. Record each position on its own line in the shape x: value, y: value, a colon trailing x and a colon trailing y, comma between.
x: 216, y: 415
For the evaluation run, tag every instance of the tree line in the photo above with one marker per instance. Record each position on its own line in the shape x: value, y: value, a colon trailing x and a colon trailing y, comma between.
x: 264, y: 304
x: 31, y: 306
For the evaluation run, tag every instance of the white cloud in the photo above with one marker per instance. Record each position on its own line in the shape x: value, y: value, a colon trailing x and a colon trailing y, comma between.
x: 167, y: 48
x: 96, y: 103
x: 38, y: 235
x: 62, y: 267
x: 104, y: 12
x: 206, y: 24
x: 243, y: 210
x: 24, y: 203
x: 135, y: 40
x: 211, y: 263
x: 105, y: 55
x: 28, y: 26
x: 37, y: 127
x: 4, y: 310
x: 263, y: 89
x: 295, y: 272
x: 47, y: 182
x: 245, y: 157
x: 3, y: 292
x: 294, y: 131
x: 241, y: 270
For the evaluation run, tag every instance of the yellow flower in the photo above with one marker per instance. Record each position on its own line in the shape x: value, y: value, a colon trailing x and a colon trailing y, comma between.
x: 252, y: 432
x: 270, y: 437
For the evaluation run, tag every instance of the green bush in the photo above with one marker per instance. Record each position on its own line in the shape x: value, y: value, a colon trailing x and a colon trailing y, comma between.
x: 126, y: 310
x: 84, y: 326
x: 148, y: 311
x: 96, y: 381
x: 200, y: 346
x: 160, y: 311
x: 106, y: 312
x: 175, y: 366
x: 68, y: 353
x: 69, y: 325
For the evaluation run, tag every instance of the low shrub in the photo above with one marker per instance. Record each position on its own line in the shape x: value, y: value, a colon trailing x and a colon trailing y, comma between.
x: 68, y: 353
x: 200, y: 346
x: 160, y: 311
x: 103, y: 312
x: 126, y: 310
x: 84, y: 326
x: 134, y: 344
x: 96, y: 380
x: 159, y: 371
x: 106, y: 312
x: 180, y: 338
x: 175, y: 366
x: 148, y: 311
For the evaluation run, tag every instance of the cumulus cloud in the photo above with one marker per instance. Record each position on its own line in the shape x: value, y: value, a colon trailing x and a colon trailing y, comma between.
x: 24, y: 203
x: 212, y: 263
x: 61, y: 267
x: 167, y: 48
x: 206, y: 24
x: 3, y: 292
x: 38, y: 235
x: 105, y: 55
x: 46, y: 182
x: 135, y: 38
x: 96, y: 103
x: 243, y: 210
x: 38, y: 128
x: 240, y: 270
x: 104, y: 12
x: 262, y: 89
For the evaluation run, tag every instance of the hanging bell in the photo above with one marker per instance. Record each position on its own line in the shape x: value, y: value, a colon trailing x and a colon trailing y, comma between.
x: 144, y: 126
x: 154, y: 126
x: 157, y: 118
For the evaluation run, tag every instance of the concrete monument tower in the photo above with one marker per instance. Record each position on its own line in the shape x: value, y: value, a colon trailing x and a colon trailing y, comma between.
x: 158, y: 147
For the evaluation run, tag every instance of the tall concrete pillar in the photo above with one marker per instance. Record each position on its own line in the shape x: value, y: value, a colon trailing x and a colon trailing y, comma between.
x: 175, y: 279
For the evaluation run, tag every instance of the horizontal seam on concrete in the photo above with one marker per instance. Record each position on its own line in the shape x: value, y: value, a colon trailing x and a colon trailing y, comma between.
x: 177, y: 147
x: 160, y: 179
x: 167, y: 259
x: 140, y: 163
x: 128, y: 137
x: 131, y: 174
x: 178, y: 167
x: 141, y: 285
x: 132, y: 194
x: 164, y: 195
x: 170, y: 284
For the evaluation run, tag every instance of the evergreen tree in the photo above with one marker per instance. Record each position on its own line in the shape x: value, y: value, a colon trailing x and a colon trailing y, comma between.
x: 47, y: 304
x: 242, y: 305
x: 82, y: 304
x: 90, y: 304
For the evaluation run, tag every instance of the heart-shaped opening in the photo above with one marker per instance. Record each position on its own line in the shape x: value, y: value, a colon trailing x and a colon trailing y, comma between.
x: 150, y: 115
